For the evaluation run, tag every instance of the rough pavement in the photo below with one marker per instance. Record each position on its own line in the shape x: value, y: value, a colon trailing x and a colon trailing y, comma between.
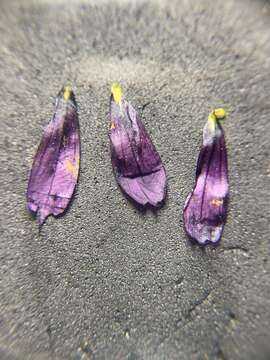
x: 106, y: 281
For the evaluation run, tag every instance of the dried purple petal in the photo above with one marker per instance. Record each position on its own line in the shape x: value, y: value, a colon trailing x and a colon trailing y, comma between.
x: 55, y: 167
x: 206, y: 206
x: 136, y: 163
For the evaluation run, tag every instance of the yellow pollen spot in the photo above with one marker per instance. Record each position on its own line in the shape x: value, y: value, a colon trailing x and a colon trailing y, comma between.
x: 67, y: 93
x: 72, y: 168
x: 219, y: 113
x: 113, y: 125
x: 216, y: 202
x: 117, y: 93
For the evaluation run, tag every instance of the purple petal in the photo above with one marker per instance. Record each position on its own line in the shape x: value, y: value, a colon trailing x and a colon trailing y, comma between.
x: 206, y: 206
x: 136, y: 163
x: 55, y: 168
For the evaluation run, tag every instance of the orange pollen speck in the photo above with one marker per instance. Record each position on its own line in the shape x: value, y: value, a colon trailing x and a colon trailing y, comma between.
x: 216, y: 202
x: 72, y: 168
x: 113, y: 126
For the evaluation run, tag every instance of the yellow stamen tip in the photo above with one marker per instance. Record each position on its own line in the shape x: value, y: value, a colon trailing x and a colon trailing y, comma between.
x: 67, y: 93
x: 117, y: 93
x: 219, y: 113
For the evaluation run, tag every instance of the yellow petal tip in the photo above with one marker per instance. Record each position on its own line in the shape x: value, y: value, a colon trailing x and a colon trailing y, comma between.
x: 212, y: 120
x: 219, y: 113
x: 215, y: 115
x: 67, y: 93
x: 116, y: 92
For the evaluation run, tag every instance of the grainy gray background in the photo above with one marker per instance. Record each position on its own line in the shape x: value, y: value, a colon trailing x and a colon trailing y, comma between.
x: 106, y: 281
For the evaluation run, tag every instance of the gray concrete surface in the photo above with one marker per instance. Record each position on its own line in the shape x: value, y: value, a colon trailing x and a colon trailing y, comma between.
x: 106, y: 281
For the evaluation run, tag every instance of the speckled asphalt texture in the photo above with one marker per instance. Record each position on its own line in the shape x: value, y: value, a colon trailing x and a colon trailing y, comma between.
x: 107, y: 281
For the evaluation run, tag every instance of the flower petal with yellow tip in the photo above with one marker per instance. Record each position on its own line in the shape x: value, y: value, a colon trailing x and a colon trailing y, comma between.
x: 55, y: 167
x: 136, y: 163
x: 205, y: 209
